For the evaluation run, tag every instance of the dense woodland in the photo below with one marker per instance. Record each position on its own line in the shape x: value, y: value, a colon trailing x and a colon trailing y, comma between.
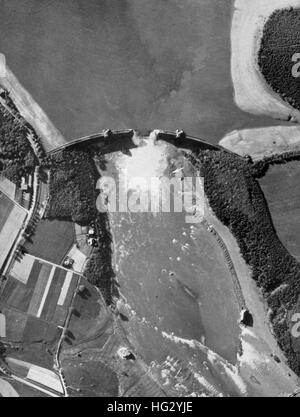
x: 281, y: 37
x: 73, y: 196
x: 237, y: 200
x: 72, y: 186
x: 99, y: 271
x: 16, y: 155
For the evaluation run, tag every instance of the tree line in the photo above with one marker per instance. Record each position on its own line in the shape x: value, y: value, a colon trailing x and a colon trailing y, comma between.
x: 73, y: 194
x: 99, y: 270
x: 16, y: 157
x: 72, y: 186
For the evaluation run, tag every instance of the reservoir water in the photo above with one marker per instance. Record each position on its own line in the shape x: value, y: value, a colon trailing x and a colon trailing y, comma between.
x: 139, y: 64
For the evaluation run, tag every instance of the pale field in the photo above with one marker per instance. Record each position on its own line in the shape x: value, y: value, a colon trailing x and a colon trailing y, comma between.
x: 262, y: 142
x: 38, y: 374
x: 7, y: 390
x: 78, y: 257
x: 21, y: 269
x: 10, y: 231
x: 7, y: 187
x: 2, y: 325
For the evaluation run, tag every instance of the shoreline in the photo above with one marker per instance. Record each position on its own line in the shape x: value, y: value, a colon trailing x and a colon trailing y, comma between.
x: 262, y: 142
x: 50, y: 136
x: 251, y: 92
x: 258, y: 342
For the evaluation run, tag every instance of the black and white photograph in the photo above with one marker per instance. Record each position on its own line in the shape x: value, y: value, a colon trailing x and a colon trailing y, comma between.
x: 149, y: 201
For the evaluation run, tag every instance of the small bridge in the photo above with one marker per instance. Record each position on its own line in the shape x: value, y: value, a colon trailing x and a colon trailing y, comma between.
x: 122, y: 140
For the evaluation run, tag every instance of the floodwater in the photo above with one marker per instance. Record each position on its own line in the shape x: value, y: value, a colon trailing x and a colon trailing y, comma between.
x: 141, y: 64
x: 173, y: 275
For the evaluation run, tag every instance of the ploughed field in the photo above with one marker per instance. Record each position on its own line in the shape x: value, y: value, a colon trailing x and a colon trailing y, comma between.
x: 279, y: 54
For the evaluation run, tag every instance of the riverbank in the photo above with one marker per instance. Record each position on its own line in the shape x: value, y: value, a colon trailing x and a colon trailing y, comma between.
x: 252, y: 94
x: 255, y: 364
x: 237, y: 201
x: 50, y: 136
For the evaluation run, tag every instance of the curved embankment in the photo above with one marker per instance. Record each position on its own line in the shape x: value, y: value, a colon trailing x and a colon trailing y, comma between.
x: 109, y: 141
x: 29, y: 109
x: 263, y: 142
x: 252, y: 94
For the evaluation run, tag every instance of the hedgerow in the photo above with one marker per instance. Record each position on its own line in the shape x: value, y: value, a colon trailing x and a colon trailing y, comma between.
x: 16, y: 155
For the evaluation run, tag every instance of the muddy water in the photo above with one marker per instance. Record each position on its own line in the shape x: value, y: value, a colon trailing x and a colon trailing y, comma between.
x: 173, y: 276
x: 126, y: 63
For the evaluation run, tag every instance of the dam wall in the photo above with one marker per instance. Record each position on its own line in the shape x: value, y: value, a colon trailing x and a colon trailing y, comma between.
x: 110, y: 141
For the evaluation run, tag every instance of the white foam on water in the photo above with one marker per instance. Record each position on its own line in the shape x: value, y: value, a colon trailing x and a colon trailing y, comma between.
x: 146, y: 162
x: 207, y: 385
x: 190, y: 342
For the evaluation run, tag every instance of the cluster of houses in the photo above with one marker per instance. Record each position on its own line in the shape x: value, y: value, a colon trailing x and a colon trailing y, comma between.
x: 92, y: 237
x: 25, y: 191
x: 90, y: 241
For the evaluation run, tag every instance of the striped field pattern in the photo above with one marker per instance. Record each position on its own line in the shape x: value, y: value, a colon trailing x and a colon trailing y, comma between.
x: 43, y: 290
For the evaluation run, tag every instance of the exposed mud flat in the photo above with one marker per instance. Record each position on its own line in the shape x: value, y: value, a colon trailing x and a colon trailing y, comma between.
x: 30, y: 110
x: 262, y: 142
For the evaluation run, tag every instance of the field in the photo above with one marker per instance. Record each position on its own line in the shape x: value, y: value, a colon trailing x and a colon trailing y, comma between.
x: 7, y: 390
x: 36, y: 301
x: 52, y: 240
x: 11, y: 220
x: 92, y: 377
x: 7, y: 187
x: 89, y: 330
x: 34, y: 373
x: 25, y: 390
x: 281, y: 187
x: 279, y: 66
x: 6, y: 206
x: 91, y: 317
